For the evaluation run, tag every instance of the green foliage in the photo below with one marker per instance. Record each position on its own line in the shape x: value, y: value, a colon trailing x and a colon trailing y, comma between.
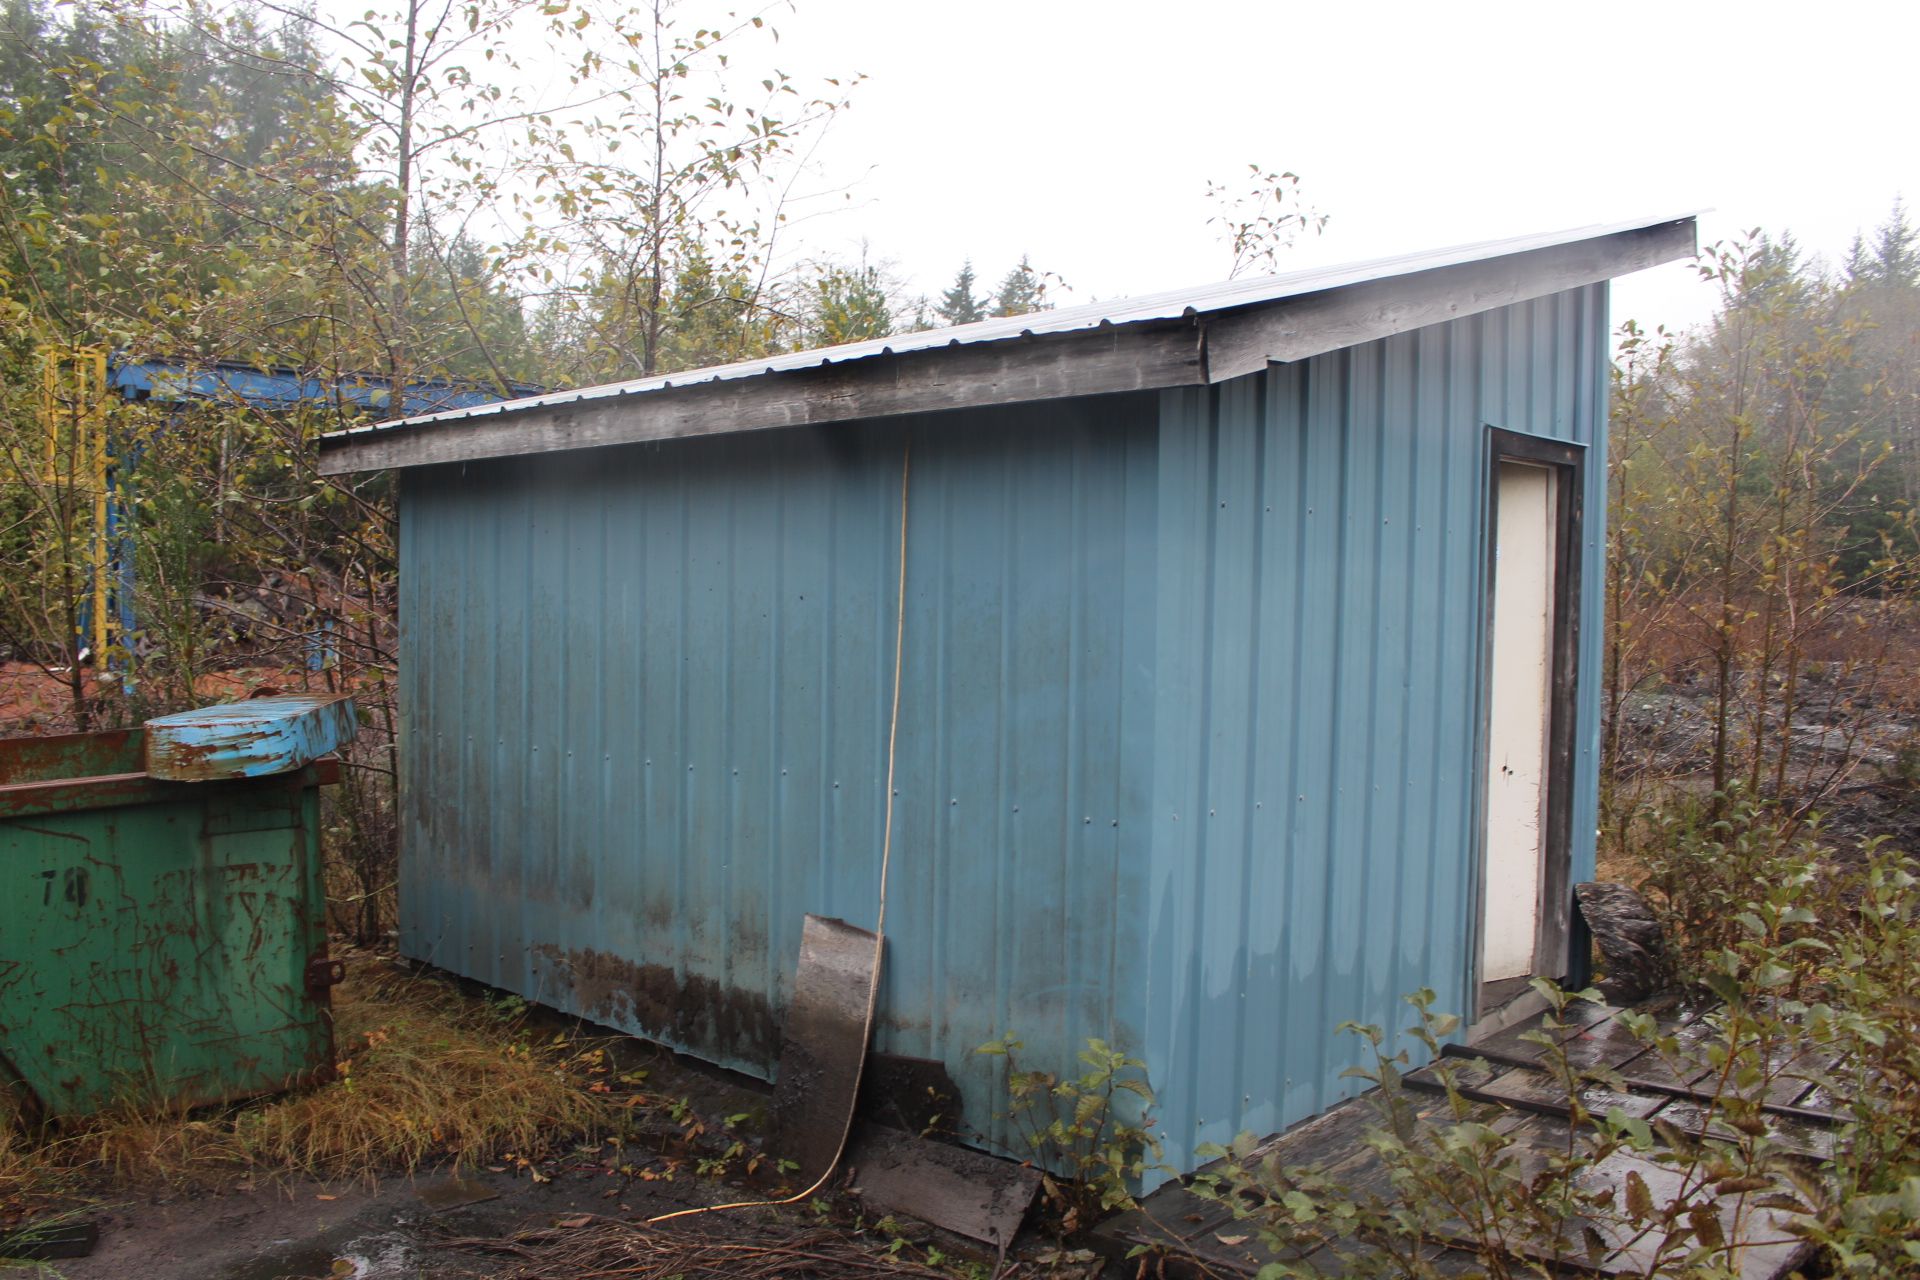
x: 174, y: 557
x: 1092, y: 1131
x: 849, y: 304
x: 1456, y: 1177
x: 1703, y: 858
x: 1818, y: 980
x: 1865, y: 988
x: 389, y: 198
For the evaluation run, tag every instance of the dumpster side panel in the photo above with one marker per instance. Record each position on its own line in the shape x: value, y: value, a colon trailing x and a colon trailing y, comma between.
x: 160, y: 951
x: 69, y: 755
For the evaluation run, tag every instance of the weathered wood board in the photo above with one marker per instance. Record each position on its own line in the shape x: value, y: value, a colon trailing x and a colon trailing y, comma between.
x: 822, y: 1044
x: 1526, y: 1103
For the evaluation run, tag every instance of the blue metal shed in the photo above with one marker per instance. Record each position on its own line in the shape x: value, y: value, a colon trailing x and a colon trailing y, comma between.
x: 1200, y: 725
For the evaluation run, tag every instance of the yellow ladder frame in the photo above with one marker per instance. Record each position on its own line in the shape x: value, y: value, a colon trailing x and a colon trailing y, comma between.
x: 81, y: 374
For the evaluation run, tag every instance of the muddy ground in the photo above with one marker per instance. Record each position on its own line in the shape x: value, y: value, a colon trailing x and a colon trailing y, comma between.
x: 396, y: 1230
x: 410, y: 1227
x: 426, y: 1225
x: 397, y: 1226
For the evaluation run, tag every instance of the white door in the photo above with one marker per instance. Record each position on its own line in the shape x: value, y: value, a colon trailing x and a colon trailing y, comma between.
x: 1518, y: 718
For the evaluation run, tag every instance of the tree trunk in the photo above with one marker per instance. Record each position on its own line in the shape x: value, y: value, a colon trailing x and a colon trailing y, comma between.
x: 398, y: 355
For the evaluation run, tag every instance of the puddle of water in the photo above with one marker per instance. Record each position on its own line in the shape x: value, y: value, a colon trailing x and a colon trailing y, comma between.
x: 383, y: 1255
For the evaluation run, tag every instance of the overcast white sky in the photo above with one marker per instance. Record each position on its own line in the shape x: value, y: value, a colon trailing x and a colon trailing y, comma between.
x: 1084, y: 133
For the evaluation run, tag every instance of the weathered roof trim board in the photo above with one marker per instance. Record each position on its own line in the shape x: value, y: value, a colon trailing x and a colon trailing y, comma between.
x: 1202, y: 336
x: 1246, y: 341
x: 1135, y: 358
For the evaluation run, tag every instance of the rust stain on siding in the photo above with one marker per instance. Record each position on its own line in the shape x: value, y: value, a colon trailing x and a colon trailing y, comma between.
x: 680, y: 1009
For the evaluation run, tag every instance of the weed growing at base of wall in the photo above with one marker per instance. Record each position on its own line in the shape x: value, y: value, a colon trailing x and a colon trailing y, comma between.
x: 1097, y: 1152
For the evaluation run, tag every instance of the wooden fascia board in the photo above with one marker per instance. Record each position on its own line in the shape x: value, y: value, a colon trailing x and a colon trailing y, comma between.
x: 1246, y: 341
x: 1100, y: 361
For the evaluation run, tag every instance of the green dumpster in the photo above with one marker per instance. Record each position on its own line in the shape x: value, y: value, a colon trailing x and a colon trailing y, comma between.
x: 160, y: 940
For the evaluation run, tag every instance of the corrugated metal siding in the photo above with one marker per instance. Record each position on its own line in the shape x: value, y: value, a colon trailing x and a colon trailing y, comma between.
x: 1317, y: 698
x: 646, y: 699
x: 1188, y: 736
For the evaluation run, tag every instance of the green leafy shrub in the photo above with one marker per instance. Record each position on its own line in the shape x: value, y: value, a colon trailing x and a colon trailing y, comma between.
x: 1091, y: 1132
x: 1818, y: 979
x: 1867, y: 978
x: 1704, y: 860
x: 1456, y: 1178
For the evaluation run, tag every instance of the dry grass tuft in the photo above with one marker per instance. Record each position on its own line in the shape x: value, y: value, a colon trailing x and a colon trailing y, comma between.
x: 28, y: 1181
x: 428, y: 1075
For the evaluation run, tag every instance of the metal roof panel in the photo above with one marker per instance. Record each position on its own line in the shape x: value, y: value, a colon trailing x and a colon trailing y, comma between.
x: 1172, y: 304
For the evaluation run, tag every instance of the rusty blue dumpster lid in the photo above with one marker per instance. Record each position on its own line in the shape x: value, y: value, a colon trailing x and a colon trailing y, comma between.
x: 248, y: 739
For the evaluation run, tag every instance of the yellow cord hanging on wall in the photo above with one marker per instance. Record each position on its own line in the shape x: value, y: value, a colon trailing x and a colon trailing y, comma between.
x: 880, y: 920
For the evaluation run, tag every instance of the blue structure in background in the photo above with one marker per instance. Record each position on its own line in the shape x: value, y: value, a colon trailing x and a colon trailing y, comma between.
x: 165, y: 380
x: 169, y: 380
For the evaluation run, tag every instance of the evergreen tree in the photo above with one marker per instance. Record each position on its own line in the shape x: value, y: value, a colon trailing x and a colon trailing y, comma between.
x: 958, y: 305
x: 1896, y: 255
x: 1021, y: 292
x: 1859, y: 264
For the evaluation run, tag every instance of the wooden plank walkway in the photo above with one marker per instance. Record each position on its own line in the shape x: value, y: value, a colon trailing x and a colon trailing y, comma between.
x: 1524, y: 1102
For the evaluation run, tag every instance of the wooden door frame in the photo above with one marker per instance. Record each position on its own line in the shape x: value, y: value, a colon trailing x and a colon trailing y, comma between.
x: 1568, y: 462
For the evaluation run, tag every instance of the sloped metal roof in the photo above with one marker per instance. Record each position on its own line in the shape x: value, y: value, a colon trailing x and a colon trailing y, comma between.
x: 1205, y: 299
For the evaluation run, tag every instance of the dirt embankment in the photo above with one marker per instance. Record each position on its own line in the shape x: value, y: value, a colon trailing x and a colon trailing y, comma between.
x: 1852, y: 747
